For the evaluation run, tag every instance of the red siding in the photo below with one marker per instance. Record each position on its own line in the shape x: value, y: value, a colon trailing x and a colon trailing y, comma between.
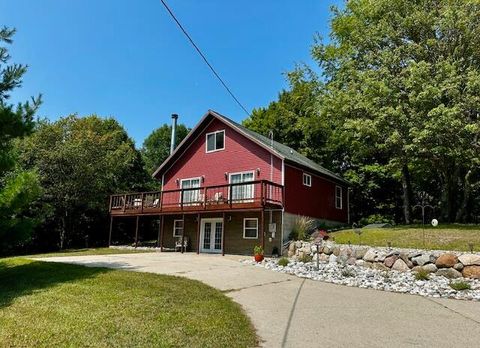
x: 317, y: 201
x: 240, y: 154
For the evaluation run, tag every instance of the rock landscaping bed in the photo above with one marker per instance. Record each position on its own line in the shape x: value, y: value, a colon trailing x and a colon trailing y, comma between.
x: 420, y: 272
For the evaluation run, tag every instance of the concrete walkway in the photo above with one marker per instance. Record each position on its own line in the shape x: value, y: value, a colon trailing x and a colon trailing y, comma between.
x: 292, y: 312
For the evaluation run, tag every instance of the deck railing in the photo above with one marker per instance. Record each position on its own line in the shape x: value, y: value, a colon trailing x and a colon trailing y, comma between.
x: 253, y: 194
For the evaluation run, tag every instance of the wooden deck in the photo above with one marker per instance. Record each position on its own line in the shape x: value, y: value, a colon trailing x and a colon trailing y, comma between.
x: 254, y: 195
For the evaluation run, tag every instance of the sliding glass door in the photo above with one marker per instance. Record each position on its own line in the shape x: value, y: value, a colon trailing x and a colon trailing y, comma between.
x: 242, y: 192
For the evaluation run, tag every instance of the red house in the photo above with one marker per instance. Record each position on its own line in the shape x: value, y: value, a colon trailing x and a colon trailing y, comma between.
x: 226, y: 189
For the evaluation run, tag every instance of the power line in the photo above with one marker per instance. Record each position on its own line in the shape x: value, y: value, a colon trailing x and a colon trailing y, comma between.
x: 203, y: 56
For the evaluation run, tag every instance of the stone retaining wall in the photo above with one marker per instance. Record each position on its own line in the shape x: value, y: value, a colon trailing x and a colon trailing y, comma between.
x: 449, y: 264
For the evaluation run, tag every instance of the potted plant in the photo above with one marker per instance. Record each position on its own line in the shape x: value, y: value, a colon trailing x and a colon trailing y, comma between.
x: 258, y: 252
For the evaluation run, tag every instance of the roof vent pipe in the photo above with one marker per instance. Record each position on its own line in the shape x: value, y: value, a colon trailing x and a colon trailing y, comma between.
x: 174, y: 133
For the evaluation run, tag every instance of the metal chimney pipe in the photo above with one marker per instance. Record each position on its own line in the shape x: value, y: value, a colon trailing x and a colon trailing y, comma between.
x: 174, y: 133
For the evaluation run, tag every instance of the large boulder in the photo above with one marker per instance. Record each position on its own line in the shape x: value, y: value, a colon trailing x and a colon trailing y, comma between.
x: 291, y: 247
x: 400, y: 266
x: 360, y: 252
x: 323, y: 257
x: 405, y: 259
x: 471, y: 272
x: 458, y: 266
x: 327, y: 249
x: 446, y: 260
x: 351, y: 261
x: 469, y: 259
x: 346, y: 251
x: 450, y: 273
x: 370, y: 255
x: 361, y: 263
x: 381, y: 256
x: 430, y: 268
x: 421, y: 260
x: 390, y: 260
x: 380, y: 266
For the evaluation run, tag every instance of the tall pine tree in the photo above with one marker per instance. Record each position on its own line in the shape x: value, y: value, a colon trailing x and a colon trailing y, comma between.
x: 17, y: 188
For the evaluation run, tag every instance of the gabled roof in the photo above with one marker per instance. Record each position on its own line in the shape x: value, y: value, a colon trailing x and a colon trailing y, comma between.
x: 282, y: 151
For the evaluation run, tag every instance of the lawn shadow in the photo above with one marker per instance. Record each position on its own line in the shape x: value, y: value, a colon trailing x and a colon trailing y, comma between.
x: 21, y: 277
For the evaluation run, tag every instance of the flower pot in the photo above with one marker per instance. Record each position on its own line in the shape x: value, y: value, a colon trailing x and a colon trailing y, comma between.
x: 258, y: 257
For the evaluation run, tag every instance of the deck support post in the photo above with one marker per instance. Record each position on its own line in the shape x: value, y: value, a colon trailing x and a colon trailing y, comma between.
x: 183, y: 232
x: 262, y: 228
x: 110, y: 231
x: 160, y: 231
x: 223, y: 234
x: 136, y: 231
x: 162, y: 224
x: 198, y: 233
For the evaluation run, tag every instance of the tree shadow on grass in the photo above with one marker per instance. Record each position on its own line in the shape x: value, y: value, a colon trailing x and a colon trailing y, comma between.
x: 21, y: 277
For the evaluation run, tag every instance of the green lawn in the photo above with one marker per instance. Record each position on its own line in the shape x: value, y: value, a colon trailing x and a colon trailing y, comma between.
x: 91, y: 251
x: 446, y: 237
x: 51, y: 304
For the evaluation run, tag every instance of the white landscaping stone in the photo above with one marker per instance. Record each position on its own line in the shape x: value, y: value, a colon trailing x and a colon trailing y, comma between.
x: 332, y: 259
x: 403, y: 282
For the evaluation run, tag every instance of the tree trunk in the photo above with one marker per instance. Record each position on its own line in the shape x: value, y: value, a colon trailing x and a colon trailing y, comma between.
x: 63, y: 231
x: 407, y: 194
x: 462, y: 213
x: 450, y: 190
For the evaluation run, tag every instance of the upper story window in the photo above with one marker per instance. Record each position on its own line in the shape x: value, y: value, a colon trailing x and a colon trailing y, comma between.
x: 215, y: 141
x: 307, y: 179
x: 338, y: 197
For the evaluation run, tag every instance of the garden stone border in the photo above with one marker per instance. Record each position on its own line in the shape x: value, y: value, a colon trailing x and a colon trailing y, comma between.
x: 388, y: 269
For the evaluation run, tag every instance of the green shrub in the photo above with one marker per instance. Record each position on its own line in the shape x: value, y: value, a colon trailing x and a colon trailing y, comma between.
x: 305, y: 258
x: 375, y: 218
x: 283, y: 262
x: 301, y: 228
x: 258, y: 250
x: 422, y: 275
x: 460, y: 285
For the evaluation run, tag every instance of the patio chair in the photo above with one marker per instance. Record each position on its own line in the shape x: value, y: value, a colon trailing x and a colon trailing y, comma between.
x: 178, y: 244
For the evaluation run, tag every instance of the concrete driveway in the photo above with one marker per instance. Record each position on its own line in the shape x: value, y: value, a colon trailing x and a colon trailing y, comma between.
x: 291, y: 312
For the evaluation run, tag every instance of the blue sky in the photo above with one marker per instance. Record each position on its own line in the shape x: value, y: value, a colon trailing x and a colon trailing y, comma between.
x: 127, y: 59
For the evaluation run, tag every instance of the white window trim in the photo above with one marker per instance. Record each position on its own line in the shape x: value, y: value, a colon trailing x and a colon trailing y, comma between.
x: 206, y: 141
x: 341, y: 197
x: 244, y: 227
x: 305, y: 175
x: 253, y: 185
x: 199, y: 178
x: 174, y: 227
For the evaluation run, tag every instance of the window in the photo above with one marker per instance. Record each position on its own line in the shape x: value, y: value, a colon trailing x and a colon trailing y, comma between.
x: 250, y: 228
x: 242, y: 193
x: 338, y: 197
x: 307, y: 179
x: 177, y: 228
x: 189, y: 195
x: 215, y: 141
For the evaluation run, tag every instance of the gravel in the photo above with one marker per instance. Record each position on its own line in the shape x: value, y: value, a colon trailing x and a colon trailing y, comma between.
x: 363, y: 277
